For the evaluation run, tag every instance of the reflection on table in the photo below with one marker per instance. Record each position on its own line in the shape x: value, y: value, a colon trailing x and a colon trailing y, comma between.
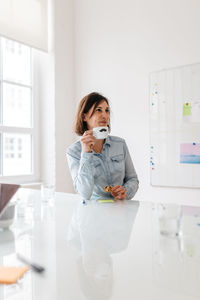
x: 98, y: 230
x: 122, y: 250
x: 176, y: 250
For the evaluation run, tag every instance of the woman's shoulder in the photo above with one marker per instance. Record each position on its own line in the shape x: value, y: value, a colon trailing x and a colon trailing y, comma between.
x: 74, y: 148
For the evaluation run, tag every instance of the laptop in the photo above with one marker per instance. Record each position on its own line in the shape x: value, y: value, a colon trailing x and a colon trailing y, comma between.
x: 7, y: 191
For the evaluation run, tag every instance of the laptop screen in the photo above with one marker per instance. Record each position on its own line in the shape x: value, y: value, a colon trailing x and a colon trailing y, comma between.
x: 6, y: 193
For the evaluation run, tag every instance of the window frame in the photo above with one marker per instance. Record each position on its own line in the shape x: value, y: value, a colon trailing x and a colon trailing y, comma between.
x: 33, y: 130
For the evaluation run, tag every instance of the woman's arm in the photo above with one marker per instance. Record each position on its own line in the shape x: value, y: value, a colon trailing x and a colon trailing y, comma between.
x: 82, y: 167
x: 131, y: 182
x: 82, y: 172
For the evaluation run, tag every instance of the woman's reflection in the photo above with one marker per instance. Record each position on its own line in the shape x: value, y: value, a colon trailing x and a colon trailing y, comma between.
x: 98, y: 230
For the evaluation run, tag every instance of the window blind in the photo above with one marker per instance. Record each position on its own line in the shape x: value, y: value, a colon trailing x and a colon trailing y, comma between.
x: 25, y: 21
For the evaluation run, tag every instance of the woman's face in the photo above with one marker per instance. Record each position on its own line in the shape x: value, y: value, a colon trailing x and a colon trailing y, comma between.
x: 100, y: 117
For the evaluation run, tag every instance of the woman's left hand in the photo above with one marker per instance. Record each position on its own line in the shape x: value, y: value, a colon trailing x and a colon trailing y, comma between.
x: 119, y: 192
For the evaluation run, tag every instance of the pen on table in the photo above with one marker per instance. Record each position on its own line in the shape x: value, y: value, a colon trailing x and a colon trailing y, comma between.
x: 33, y: 266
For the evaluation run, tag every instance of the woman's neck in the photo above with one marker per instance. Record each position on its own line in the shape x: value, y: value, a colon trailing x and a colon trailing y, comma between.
x: 98, y: 146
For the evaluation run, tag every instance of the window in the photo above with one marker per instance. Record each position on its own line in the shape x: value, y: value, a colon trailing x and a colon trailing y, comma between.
x: 17, y: 132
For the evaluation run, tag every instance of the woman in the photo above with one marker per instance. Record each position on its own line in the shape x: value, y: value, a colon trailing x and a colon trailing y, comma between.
x: 97, y: 163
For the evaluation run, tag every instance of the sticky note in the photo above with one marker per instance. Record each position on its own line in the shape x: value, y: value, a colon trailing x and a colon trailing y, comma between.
x: 187, y: 109
x: 106, y: 201
x: 9, y: 275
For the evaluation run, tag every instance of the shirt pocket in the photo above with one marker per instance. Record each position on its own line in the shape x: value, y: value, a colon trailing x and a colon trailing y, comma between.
x: 97, y: 168
x: 118, y: 162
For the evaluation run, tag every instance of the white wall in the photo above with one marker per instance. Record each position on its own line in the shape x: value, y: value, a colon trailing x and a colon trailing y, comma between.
x: 54, y: 76
x: 44, y: 92
x: 45, y: 88
x: 64, y: 89
x: 117, y: 45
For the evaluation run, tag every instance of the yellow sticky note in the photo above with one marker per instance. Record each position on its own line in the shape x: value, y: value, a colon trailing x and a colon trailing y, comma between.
x: 106, y: 201
x: 10, y: 275
x: 187, y: 109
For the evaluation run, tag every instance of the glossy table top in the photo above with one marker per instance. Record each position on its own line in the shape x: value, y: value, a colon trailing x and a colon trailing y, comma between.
x: 122, y: 250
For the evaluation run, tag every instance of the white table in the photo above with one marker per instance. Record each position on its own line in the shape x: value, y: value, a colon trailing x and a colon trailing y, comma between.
x: 100, y: 251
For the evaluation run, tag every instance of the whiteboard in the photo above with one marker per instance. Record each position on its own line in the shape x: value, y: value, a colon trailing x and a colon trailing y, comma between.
x: 175, y: 127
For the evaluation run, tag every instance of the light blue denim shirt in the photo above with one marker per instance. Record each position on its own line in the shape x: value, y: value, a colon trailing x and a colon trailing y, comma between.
x: 92, y: 171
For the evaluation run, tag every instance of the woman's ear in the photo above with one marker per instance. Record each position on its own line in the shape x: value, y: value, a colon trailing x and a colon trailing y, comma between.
x: 84, y: 118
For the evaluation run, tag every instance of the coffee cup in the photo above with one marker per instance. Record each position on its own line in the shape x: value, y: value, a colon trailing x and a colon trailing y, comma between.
x: 100, y: 132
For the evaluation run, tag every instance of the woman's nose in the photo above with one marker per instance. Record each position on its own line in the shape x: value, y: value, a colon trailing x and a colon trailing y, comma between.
x: 105, y: 115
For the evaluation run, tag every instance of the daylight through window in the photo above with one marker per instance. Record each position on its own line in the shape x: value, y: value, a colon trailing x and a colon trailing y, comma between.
x: 16, y: 109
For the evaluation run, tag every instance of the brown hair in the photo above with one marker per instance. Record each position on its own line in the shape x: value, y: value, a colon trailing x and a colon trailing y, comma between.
x: 80, y: 126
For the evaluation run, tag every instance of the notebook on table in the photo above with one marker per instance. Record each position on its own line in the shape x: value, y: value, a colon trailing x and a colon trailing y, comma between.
x: 7, y: 191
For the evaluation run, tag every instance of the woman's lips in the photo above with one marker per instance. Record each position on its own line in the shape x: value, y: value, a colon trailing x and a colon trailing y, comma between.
x: 103, y: 123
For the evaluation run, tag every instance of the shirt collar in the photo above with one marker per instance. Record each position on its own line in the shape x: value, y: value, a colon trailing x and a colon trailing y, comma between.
x: 107, y: 141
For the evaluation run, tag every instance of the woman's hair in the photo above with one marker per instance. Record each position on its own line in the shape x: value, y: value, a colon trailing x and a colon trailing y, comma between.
x: 80, y: 126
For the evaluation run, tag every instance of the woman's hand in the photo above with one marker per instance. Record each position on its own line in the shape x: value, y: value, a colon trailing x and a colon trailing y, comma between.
x: 119, y: 192
x: 87, y: 141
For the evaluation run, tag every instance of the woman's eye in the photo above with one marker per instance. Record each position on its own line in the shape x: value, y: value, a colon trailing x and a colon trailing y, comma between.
x: 98, y: 109
x: 107, y: 110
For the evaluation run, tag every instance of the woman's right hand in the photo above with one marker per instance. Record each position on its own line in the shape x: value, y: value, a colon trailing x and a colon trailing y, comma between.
x: 87, y: 141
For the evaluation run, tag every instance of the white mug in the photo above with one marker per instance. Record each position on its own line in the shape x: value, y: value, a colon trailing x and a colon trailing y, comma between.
x: 100, y: 132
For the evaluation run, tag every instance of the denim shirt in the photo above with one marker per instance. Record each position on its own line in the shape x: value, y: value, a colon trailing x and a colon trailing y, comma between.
x: 92, y: 171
